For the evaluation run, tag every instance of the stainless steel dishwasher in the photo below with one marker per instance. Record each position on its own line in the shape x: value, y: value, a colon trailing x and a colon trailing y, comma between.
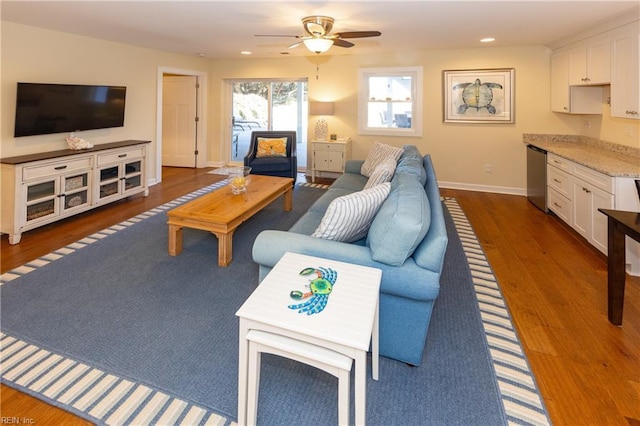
x: 537, y: 177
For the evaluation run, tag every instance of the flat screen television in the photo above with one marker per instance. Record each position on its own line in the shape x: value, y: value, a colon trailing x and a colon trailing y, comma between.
x: 43, y: 108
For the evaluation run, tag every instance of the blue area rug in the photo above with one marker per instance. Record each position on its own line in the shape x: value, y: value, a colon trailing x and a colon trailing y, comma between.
x: 115, y: 330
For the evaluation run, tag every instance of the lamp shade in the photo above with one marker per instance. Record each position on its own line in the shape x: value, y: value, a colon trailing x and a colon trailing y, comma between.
x: 318, y: 45
x: 320, y: 108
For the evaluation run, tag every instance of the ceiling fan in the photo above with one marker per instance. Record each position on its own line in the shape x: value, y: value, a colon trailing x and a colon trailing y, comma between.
x: 319, y: 38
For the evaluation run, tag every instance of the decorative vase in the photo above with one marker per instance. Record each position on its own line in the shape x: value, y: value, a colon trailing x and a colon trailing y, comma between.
x: 238, y: 179
x: 322, y: 130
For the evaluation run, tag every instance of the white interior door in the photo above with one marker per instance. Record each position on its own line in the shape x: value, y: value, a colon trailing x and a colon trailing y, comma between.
x: 179, y: 121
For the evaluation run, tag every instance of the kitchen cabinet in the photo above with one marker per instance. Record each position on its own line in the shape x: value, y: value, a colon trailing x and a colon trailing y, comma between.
x: 590, y: 63
x: 559, y: 188
x: 42, y: 188
x: 572, y: 99
x: 587, y: 220
x: 625, y: 78
x: 576, y: 192
x: 329, y: 156
x: 581, y: 71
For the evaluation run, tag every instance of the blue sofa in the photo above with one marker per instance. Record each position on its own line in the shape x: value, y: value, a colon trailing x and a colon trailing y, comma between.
x: 407, y: 241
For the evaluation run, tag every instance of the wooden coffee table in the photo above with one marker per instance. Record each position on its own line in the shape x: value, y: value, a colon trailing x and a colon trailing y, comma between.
x: 221, y: 212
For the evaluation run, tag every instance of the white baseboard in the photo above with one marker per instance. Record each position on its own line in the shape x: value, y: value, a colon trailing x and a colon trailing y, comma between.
x: 483, y: 188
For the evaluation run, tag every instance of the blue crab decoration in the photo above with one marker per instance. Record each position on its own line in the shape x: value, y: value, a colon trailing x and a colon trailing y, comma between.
x: 320, y: 289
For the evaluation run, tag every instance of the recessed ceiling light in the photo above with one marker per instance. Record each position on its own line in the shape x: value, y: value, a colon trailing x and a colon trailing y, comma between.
x: 487, y: 40
x: 245, y: 52
x: 202, y: 55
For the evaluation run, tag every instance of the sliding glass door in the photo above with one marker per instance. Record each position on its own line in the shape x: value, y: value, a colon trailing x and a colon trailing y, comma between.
x: 268, y: 105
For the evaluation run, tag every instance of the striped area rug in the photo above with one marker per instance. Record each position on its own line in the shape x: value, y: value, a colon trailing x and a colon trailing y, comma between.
x: 77, y: 387
x: 520, y: 395
x: 108, y: 399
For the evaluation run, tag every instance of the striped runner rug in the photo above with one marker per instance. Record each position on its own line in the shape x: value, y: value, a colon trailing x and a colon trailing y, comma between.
x: 520, y: 394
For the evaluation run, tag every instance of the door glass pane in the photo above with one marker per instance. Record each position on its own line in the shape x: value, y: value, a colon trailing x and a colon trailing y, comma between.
x: 132, y: 182
x: 108, y: 189
x: 76, y: 199
x: 40, y: 190
x: 75, y: 182
x: 109, y: 173
x: 135, y: 167
x: 268, y: 105
x: 250, y: 112
x: 39, y: 210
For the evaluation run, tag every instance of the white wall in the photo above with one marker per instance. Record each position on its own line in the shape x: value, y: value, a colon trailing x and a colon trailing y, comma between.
x: 32, y: 54
x: 460, y: 151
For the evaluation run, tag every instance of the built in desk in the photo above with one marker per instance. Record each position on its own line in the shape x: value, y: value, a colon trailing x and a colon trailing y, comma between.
x: 620, y: 224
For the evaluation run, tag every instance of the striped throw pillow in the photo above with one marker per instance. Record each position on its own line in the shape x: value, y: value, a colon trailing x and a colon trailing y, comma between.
x: 349, y: 217
x: 383, y: 173
x: 379, y: 153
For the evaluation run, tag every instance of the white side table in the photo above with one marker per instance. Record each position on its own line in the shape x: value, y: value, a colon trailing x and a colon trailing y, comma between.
x: 329, y: 156
x: 347, y: 325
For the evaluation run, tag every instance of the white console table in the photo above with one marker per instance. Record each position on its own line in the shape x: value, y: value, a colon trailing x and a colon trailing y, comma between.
x: 38, y: 189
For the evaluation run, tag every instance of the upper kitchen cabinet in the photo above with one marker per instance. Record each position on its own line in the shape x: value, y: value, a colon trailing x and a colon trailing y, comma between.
x: 625, y: 70
x: 571, y: 99
x: 590, y: 63
x: 580, y: 70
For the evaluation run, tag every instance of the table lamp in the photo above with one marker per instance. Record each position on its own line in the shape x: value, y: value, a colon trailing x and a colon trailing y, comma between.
x: 321, y: 109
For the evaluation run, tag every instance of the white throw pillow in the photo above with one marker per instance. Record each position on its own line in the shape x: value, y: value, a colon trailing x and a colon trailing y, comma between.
x: 383, y: 173
x: 378, y: 153
x: 349, y: 217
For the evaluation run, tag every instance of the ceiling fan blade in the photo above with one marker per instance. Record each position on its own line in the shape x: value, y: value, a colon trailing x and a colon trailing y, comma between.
x: 276, y: 35
x: 294, y: 45
x: 342, y: 43
x: 358, y: 34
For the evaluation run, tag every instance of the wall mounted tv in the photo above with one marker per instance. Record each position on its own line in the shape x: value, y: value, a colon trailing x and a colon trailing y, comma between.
x: 43, y: 109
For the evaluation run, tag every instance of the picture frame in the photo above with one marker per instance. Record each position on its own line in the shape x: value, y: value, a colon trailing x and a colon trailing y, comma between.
x: 479, y: 96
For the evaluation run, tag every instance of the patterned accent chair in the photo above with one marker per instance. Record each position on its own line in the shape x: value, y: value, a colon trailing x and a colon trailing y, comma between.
x: 276, y: 165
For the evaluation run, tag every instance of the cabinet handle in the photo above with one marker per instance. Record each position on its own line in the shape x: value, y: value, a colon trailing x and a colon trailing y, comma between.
x: 632, y: 112
x: 557, y: 205
x: 122, y: 155
x: 60, y: 168
x: 586, y: 190
x: 565, y: 108
x: 557, y: 181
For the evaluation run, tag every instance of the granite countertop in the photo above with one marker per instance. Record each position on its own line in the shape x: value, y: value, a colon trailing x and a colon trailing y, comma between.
x: 608, y: 158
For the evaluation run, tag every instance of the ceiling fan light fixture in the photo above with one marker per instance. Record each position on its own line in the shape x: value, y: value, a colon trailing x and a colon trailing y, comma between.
x: 318, y: 45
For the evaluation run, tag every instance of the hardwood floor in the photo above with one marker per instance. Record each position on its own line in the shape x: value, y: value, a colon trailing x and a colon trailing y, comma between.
x: 555, y: 285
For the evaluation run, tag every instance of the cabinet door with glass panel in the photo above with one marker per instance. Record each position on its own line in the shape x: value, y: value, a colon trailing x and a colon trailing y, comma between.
x: 55, y: 196
x: 119, y: 174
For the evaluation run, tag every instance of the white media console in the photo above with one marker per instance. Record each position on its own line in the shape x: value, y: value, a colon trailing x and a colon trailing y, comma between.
x: 38, y: 189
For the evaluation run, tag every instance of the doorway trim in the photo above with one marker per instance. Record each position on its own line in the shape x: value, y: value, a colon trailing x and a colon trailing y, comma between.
x: 201, y: 106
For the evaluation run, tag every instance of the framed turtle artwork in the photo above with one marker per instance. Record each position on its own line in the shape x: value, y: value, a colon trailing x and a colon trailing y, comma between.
x: 479, y: 96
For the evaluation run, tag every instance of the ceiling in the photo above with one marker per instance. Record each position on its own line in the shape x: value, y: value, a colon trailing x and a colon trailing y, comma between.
x: 222, y: 29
